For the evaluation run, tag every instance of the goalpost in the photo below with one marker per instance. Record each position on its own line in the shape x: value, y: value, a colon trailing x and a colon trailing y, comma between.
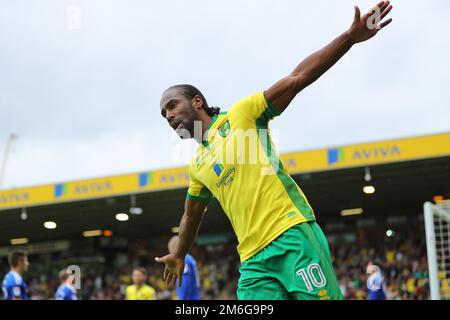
x: 437, y: 231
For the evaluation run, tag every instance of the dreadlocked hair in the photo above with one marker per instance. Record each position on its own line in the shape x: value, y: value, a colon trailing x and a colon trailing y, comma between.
x: 190, y: 92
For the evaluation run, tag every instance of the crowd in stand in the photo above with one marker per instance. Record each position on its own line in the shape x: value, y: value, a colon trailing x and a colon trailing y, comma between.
x: 402, y: 261
x: 217, y: 267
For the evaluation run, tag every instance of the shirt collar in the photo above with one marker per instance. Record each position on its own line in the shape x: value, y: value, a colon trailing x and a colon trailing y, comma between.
x: 214, y: 119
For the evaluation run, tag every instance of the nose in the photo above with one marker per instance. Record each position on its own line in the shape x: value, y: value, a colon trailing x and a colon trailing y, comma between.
x: 169, y: 116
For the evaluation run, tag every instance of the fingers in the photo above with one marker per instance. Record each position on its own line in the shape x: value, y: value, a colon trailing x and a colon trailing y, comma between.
x: 166, y: 273
x: 180, y: 271
x: 377, y: 14
x: 386, y: 11
x: 384, y: 6
x: 387, y: 8
x: 169, y: 279
x: 374, y: 10
x: 381, y: 4
x: 357, y: 13
x: 174, y: 281
x: 385, y: 23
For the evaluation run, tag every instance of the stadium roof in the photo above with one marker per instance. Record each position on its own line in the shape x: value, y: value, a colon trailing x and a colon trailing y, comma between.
x: 405, y: 172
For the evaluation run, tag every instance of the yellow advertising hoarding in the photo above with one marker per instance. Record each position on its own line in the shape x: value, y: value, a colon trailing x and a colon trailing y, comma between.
x: 430, y: 146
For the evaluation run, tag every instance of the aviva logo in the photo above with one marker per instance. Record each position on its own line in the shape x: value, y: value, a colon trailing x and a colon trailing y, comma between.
x: 376, y: 153
x: 61, y: 190
x: 145, y: 179
x: 218, y: 168
x: 363, y: 154
x: 335, y: 155
x: 14, y: 198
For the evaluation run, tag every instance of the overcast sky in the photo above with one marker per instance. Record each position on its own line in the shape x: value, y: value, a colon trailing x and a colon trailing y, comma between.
x: 84, y: 97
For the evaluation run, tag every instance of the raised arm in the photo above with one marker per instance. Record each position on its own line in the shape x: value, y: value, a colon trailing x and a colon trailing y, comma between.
x: 189, y: 225
x: 309, y: 70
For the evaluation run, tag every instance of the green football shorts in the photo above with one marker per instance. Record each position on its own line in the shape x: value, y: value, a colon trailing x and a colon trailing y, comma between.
x: 295, y: 266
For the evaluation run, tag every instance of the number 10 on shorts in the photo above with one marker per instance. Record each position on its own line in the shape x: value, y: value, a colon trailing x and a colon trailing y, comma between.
x: 312, y: 276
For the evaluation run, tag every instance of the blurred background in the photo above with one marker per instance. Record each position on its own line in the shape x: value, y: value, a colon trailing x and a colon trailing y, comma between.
x: 85, y: 151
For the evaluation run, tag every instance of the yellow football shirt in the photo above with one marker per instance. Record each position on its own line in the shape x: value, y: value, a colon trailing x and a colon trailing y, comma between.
x: 239, y: 166
x: 145, y: 292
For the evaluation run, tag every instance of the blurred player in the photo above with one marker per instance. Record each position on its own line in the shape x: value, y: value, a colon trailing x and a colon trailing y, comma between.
x: 66, y: 291
x: 190, y: 286
x: 283, y: 251
x: 139, y: 290
x: 376, y: 289
x: 14, y: 288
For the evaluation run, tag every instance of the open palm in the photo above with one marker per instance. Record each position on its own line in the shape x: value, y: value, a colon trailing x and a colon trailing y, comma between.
x: 173, y: 268
x: 365, y: 27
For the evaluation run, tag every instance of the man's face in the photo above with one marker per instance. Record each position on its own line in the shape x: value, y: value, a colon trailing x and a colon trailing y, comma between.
x: 179, y: 112
x: 371, y: 269
x: 24, y: 264
x: 138, y: 277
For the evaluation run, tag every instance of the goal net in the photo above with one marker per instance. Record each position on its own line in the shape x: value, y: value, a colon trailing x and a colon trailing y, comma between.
x: 437, y: 231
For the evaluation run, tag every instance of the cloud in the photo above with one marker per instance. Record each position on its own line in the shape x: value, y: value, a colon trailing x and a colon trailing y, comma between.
x: 85, y: 102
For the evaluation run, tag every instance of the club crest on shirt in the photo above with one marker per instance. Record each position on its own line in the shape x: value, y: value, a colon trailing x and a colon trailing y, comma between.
x: 224, y: 129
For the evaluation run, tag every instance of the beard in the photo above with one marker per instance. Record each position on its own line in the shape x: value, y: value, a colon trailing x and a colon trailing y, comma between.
x: 188, y: 124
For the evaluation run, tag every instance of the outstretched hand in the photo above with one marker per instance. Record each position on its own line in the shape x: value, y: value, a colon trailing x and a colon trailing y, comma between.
x: 174, y: 268
x: 365, y: 27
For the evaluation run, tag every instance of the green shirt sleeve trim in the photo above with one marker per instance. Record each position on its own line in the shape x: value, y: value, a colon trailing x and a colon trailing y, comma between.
x: 214, y: 119
x: 269, y: 113
x: 273, y: 110
x: 197, y: 198
x: 288, y: 183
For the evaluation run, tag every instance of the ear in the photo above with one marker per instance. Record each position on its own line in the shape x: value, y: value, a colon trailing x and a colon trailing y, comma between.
x: 197, y: 103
